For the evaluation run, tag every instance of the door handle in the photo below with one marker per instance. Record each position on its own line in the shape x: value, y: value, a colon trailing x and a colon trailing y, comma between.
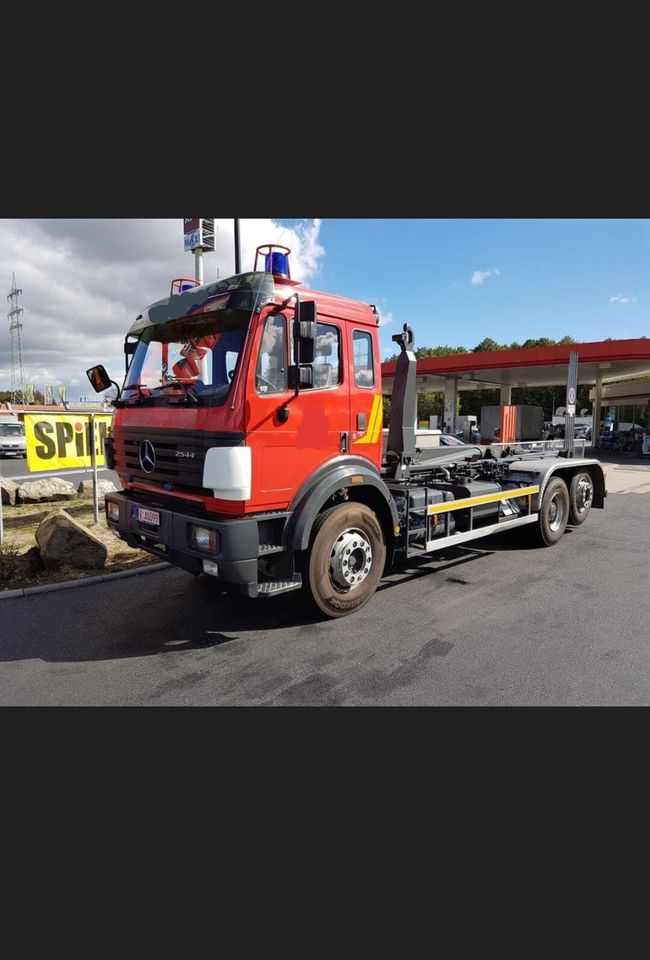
x: 345, y: 443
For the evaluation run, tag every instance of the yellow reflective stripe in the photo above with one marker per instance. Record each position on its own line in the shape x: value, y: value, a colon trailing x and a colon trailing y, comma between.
x: 476, y: 501
x: 374, y: 419
x: 380, y: 419
x: 375, y: 422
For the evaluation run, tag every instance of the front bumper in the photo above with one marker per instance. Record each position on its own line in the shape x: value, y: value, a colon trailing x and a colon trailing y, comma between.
x: 13, y: 451
x: 237, y: 547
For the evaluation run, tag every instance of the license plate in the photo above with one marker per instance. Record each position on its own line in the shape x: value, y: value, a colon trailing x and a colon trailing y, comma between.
x: 147, y: 516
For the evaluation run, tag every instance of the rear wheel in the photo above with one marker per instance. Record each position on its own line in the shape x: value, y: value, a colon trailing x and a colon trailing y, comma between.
x: 581, y: 498
x: 554, y: 514
x: 345, y: 560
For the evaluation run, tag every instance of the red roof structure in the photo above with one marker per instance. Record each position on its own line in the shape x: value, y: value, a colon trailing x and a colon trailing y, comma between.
x: 533, y: 366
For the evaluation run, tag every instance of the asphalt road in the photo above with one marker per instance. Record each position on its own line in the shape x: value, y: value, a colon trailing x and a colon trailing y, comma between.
x: 12, y: 467
x: 496, y: 625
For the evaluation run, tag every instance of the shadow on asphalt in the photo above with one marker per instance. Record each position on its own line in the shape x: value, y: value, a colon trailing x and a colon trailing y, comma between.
x: 512, y: 540
x: 199, y: 616
x: 419, y: 567
x: 202, y: 615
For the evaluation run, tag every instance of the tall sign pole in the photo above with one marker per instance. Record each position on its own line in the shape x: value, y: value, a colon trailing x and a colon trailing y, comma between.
x: 198, y: 236
x: 571, y: 399
x: 2, y: 529
x: 93, y: 461
x: 237, y: 249
x: 198, y: 264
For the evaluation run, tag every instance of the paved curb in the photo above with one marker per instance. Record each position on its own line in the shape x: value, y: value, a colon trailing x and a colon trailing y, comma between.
x: 85, y: 582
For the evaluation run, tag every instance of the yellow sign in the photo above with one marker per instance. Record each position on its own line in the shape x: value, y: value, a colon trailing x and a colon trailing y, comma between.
x: 60, y: 441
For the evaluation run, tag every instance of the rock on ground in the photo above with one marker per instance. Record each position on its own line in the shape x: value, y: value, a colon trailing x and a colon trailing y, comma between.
x: 61, y: 539
x: 8, y: 492
x: 47, y: 490
x: 85, y: 488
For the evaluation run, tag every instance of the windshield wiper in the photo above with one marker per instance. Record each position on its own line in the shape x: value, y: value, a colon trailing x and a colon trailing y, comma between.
x: 141, y: 396
x: 190, y: 391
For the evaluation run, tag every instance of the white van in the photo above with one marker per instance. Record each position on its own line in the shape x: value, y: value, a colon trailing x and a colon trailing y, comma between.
x: 12, y: 438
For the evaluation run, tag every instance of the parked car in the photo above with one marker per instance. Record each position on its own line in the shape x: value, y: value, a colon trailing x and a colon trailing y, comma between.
x: 476, y: 435
x: 447, y: 440
x: 12, y: 439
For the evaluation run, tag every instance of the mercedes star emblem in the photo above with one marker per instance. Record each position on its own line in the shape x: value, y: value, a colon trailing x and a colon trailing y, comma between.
x: 147, y: 456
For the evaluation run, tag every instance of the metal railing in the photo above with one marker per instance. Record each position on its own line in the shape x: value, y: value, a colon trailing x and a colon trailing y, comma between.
x: 542, y: 447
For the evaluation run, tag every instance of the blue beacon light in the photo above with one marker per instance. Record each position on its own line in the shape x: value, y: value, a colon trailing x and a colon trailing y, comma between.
x: 276, y: 260
x: 277, y: 263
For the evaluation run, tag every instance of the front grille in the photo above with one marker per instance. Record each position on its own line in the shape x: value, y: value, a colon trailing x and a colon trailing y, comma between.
x: 179, y: 455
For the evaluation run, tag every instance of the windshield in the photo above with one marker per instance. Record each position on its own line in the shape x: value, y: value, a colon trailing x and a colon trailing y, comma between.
x: 12, y: 430
x: 191, y: 360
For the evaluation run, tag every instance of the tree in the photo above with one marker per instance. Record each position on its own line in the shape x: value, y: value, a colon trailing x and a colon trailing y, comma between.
x: 423, y: 352
x: 488, y: 345
x: 471, y: 401
x: 5, y: 396
x: 540, y: 342
x: 430, y: 405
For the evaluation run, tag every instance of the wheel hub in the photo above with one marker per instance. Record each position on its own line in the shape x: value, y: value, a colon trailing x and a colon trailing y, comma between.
x: 556, y: 513
x: 351, y: 559
x: 585, y: 494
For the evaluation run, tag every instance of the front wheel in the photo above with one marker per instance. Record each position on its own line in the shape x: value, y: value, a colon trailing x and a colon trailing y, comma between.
x: 345, y: 559
x: 553, y: 515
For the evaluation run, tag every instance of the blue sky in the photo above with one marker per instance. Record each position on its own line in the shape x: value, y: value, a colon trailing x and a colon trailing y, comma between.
x: 84, y: 280
x: 532, y: 278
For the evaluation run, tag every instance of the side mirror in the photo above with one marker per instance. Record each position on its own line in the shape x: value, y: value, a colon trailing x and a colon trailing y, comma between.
x: 301, y: 376
x: 304, y: 331
x: 99, y: 379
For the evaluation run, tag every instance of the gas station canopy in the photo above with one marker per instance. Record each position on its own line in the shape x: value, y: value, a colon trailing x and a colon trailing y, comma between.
x: 531, y: 367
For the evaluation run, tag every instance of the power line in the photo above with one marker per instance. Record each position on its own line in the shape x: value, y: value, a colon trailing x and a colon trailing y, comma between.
x: 15, y: 326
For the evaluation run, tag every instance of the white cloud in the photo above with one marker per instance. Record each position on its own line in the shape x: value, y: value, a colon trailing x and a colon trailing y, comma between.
x: 480, y: 276
x: 85, y: 281
x: 385, y: 319
x: 622, y: 299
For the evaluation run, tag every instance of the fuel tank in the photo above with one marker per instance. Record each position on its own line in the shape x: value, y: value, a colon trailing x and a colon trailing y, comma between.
x: 483, y: 512
x: 412, y: 503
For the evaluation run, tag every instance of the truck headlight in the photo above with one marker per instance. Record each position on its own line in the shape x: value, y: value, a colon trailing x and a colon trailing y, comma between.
x: 201, y: 538
x: 113, y: 511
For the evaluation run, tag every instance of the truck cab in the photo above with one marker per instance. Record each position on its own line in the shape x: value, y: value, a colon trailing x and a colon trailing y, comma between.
x: 240, y: 398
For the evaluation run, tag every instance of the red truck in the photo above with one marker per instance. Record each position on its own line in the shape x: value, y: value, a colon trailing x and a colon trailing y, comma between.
x: 248, y: 440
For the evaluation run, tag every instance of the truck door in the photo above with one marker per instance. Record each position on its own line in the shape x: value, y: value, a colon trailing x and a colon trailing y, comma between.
x: 366, y: 406
x: 317, y: 428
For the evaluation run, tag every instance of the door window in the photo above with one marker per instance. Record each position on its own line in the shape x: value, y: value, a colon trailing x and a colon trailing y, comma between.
x: 327, y: 360
x: 364, y: 370
x: 271, y: 373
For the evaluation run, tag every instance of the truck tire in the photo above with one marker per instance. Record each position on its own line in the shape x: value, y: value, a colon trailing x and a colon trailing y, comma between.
x: 345, y: 560
x: 553, y: 515
x: 581, y: 497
